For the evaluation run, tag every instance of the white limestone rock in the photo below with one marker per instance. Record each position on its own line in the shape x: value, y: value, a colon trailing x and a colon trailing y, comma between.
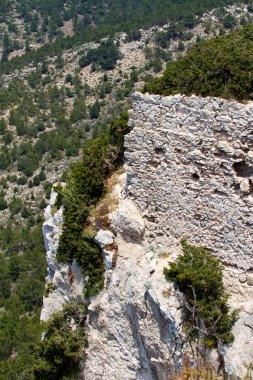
x: 53, y: 197
x: 64, y: 282
x: 108, y: 258
x: 133, y: 330
x: 246, y: 186
x: 67, y: 285
x: 238, y: 355
x: 210, y: 137
x: 127, y: 220
x: 51, y: 231
x: 224, y: 145
x: 104, y: 238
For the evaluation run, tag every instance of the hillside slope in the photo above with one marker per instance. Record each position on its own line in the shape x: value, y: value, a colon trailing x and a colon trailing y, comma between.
x: 220, y: 67
x: 77, y: 68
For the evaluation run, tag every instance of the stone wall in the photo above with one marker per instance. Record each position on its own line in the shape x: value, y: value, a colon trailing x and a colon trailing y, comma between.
x: 189, y: 167
x: 190, y: 171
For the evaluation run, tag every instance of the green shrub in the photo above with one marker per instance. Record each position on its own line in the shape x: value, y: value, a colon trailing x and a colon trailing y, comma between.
x: 60, y: 350
x: 22, y: 180
x: 49, y: 287
x: 59, y: 190
x: 25, y: 213
x: 95, y: 110
x: 105, y: 55
x: 199, y: 276
x: 84, y: 187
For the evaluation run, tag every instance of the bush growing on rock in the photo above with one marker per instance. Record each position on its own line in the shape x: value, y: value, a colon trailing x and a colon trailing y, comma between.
x: 84, y: 187
x: 198, y: 275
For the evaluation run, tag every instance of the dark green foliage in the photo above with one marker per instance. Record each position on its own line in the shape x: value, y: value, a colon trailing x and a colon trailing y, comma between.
x: 85, y: 185
x: 78, y: 111
x: 199, y: 276
x: 69, y: 79
x: 109, y: 19
x: 229, y: 21
x: 95, y: 110
x: 2, y: 126
x: 27, y: 157
x: 42, y: 204
x: 7, y: 48
x: 25, y: 213
x: 133, y: 35
x: 8, y: 137
x: 105, y: 55
x: 59, y: 352
x: 22, y: 272
x: 22, y: 180
x: 218, y: 67
x: 47, y: 187
x: 105, y: 89
x: 59, y: 199
x: 118, y: 129
x: 3, y: 203
x: 89, y: 257
x: 16, y: 205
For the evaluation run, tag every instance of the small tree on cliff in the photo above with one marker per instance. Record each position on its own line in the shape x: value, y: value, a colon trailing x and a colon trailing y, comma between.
x: 199, y: 276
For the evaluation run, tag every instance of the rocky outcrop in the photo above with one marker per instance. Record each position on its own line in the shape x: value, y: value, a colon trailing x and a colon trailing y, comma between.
x: 134, y: 323
x: 64, y: 282
x: 190, y: 172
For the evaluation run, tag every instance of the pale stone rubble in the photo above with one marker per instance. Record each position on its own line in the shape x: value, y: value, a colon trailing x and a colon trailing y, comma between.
x: 190, y: 172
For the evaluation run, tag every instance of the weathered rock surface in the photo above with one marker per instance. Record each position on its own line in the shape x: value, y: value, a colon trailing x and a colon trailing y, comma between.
x: 104, y: 238
x: 127, y: 220
x: 133, y: 325
x: 189, y: 164
x: 190, y: 171
x: 64, y: 282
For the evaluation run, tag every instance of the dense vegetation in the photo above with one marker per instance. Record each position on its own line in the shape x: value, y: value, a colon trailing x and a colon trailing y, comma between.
x: 60, y: 350
x: 219, y: 67
x: 105, y: 56
x: 22, y: 272
x: 109, y: 18
x: 198, y: 275
x: 85, y: 185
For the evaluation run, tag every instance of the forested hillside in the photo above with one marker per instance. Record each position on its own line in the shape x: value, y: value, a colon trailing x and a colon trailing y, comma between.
x: 27, y: 25
x: 67, y: 72
x: 220, y: 67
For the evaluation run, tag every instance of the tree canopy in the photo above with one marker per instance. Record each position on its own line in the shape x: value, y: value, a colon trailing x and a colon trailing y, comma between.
x: 220, y: 67
x: 198, y: 275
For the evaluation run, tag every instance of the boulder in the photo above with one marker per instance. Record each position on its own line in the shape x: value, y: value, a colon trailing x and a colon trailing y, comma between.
x: 104, y: 238
x: 127, y: 220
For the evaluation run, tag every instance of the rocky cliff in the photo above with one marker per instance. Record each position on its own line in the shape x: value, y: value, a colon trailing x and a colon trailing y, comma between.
x: 133, y: 324
x: 189, y: 172
x: 64, y: 282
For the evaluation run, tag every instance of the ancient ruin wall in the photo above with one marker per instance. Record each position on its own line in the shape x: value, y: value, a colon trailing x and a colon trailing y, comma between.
x: 190, y: 171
